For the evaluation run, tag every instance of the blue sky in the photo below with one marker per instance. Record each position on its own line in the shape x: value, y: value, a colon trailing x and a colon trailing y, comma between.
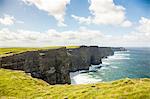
x: 28, y: 16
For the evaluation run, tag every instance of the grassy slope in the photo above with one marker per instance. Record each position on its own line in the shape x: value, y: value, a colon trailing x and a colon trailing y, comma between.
x: 10, y: 51
x: 19, y: 85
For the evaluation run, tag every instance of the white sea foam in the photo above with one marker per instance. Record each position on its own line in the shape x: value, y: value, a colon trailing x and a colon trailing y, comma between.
x: 83, y: 79
x: 102, y: 73
x: 93, y: 67
x: 118, y: 56
x: 122, y: 54
x: 127, y: 51
x: 105, y: 63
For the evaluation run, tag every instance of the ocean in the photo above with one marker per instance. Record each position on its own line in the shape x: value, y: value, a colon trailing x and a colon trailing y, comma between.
x: 133, y: 63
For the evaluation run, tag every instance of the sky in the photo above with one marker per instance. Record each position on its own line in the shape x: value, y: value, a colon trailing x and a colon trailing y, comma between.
x: 38, y: 23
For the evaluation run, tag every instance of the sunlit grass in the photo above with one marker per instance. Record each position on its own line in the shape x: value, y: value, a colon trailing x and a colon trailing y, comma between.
x: 19, y: 85
x: 72, y: 47
x: 10, y: 51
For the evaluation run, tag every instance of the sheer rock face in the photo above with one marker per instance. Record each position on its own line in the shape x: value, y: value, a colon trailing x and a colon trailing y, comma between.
x: 105, y: 51
x: 54, y: 65
x: 85, y: 56
x: 80, y: 59
x: 49, y: 65
x: 95, y: 55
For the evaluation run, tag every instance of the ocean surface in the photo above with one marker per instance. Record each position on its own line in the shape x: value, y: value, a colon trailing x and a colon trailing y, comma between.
x: 134, y: 63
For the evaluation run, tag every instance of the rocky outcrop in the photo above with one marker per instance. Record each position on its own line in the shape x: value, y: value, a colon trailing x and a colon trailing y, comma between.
x: 49, y: 65
x: 54, y: 65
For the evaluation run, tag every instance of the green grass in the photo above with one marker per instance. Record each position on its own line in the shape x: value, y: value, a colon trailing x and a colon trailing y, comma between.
x: 10, y: 51
x: 72, y: 47
x: 18, y: 85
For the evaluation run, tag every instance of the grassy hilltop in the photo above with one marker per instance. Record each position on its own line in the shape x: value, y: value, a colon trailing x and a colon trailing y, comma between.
x: 18, y: 85
x: 16, y: 50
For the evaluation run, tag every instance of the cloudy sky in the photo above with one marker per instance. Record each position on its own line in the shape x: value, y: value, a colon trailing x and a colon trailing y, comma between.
x: 36, y: 23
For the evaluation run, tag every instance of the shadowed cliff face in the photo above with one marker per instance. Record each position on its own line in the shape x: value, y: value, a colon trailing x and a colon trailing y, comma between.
x: 85, y: 56
x: 49, y: 65
x: 54, y: 65
x: 105, y: 51
x: 79, y: 58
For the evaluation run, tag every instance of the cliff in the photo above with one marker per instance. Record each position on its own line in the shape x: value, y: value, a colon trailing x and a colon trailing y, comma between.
x: 79, y: 58
x: 85, y: 56
x: 54, y: 65
x: 50, y: 65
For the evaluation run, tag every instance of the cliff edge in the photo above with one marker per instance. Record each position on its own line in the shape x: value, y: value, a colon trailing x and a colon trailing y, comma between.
x: 54, y: 65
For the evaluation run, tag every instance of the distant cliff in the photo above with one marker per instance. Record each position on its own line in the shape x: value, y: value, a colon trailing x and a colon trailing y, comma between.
x: 54, y: 65
x: 85, y: 56
x: 119, y: 49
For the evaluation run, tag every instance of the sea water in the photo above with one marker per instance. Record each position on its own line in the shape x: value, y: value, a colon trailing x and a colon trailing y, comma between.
x: 133, y: 63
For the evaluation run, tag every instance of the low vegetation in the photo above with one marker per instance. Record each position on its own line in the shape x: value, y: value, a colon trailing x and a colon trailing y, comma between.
x: 10, y: 51
x: 18, y: 85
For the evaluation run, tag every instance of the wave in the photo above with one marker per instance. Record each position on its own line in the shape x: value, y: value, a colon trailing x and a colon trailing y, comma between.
x: 105, y: 63
x: 118, y: 56
x: 95, y: 66
x: 127, y: 51
x: 114, y: 67
x: 83, y: 79
x: 121, y: 54
x: 105, y: 68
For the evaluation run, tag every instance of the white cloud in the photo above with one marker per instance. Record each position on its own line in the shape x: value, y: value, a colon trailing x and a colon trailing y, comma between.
x: 144, y: 25
x: 105, y: 12
x: 140, y: 37
x: 82, y: 19
x: 82, y: 36
x: 55, y: 8
x: 7, y: 20
x: 52, y: 37
x: 126, y: 24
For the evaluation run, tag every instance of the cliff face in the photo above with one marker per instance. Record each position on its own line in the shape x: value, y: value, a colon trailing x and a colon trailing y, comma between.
x: 85, y: 56
x: 105, y: 51
x: 49, y: 65
x: 80, y: 58
x: 54, y: 65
